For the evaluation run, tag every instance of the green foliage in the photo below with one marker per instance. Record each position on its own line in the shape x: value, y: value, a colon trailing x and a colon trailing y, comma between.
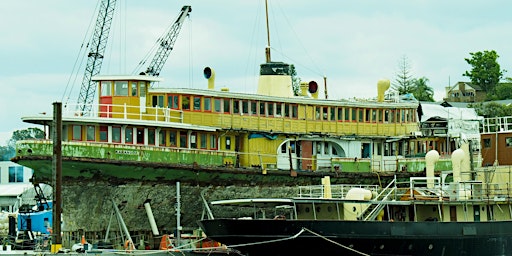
x: 485, y: 71
x: 295, y: 80
x: 491, y: 109
x: 422, y: 91
x: 404, y: 82
x: 503, y: 91
x: 8, y: 152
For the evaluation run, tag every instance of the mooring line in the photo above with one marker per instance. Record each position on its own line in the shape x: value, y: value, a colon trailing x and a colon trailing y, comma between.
x: 336, y: 243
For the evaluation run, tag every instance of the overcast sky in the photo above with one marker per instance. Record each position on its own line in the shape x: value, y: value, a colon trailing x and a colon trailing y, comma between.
x: 354, y: 43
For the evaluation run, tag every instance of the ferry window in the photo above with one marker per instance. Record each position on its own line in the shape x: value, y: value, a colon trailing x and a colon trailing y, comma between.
x: 158, y: 100
x: 15, y: 173
x: 487, y: 143
x: 91, y: 133
x: 245, y: 107
x: 207, y: 104
x: 161, y: 138
x: 140, y: 135
x: 287, y: 110
x: 173, y: 101
x: 347, y: 114
x: 262, y: 108
x: 360, y: 113
x: 295, y: 111
x: 292, y: 146
x: 333, y: 114
x: 339, y: 113
x: 379, y: 115
x: 121, y: 88
x: 317, y: 113
x: 402, y: 114
x: 172, y: 139
x: 283, y: 148
x: 116, y: 134
x: 367, y: 115
x: 213, y: 141
x: 236, y: 106
x: 326, y: 147
x: 106, y: 88
x: 142, y: 87
x: 386, y: 116
x: 217, y: 105
x: 197, y: 103
x: 226, y: 106
x: 103, y: 133
x: 228, y: 143
x: 183, y: 140
x: 193, y: 140
x: 134, y: 88
x: 128, y: 135
x: 203, y: 140
x: 354, y: 114
x: 279, y: 111
x: 185, y: 102
x: 77, y: 132
x: 270, y: 108
x: 151, y: 136
x: 325, y: 111
x: 254, y: 108
x: 508, y: 141
x: 397, y: 112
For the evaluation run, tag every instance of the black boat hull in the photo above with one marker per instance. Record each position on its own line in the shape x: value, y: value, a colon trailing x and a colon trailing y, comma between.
x: 327, y: 237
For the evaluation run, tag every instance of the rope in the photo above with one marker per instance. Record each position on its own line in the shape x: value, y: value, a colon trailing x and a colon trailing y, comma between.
x: 336, y: 243
x: 270, y: 241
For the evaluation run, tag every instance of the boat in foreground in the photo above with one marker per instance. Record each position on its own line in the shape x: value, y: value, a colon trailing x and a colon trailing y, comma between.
x: 462, y: 212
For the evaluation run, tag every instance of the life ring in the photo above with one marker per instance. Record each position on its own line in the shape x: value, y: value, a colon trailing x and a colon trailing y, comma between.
x: 129, y: 246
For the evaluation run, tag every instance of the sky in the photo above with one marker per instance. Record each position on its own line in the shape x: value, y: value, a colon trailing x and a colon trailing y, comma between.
x: 353, y: 43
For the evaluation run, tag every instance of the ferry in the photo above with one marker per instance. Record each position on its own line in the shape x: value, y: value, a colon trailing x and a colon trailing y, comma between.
x: 465, y: 211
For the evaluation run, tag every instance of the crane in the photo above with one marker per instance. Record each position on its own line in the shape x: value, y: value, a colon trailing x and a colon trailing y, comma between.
x: 166, y: 44
x: 95, y: 57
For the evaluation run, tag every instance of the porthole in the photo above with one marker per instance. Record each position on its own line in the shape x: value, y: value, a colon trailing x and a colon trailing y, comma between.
x: 329, y: 208
x: 354, y: 209
x: 29, y: 151
x: 430, y: 246
x: 381, y: 247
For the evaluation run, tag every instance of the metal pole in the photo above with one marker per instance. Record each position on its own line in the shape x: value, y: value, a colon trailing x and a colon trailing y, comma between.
x: 178, y: 214
x: 57, y: 176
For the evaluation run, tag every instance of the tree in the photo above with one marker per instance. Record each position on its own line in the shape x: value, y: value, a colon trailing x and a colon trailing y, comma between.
x: 295, y: 81
x: 503, y: 91
x: 491, y: 109
x: 8, y: 152
x: 485, y: 71
x: 421, y: 90
x: 403, y: 82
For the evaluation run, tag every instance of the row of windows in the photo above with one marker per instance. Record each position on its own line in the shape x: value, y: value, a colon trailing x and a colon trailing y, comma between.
x: 508, y: 142
x: 279, y: 109
x: 121, y: 88
x: 145, y: 136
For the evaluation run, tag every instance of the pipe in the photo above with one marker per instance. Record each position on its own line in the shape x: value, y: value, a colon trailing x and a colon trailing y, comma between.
x: 151, y: 217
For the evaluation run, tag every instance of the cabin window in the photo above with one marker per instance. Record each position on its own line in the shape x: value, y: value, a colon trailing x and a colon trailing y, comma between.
x: 151, y: 136
x: 197, y: 103
x: 279, y: 109
x: 386, y: 116
x: 15, y: 174
x: 193, y: 140
x: 228, y: 143
x: 140, y: 135
x: 379, y: 115
x: 295, y: 111
x: 325, y: 113
x: 161, y: 138
x: 287, y: 110
x: 106, y: 88
x: 77, y: 132
x: 213, y: 141
x: 236, y: 106
x: 317, y: 113
x: 487, y: 143
x: 245, y: 107
x: 339, y: 114
x: 142, y: 89
x: 172, y: 139
x: 367, y: 115
x: 360, y: 113
x: 283, y: 148
x: 508, y: 141
x: 103, y: 133
x: 397, y: 112
x: 121, y: 88
x: 116, y: 134
x: 128, y: 135
x: 332, y: 114
x: 207, y: 104
x: 91, y: 136
x: 158, y: 101
x: 203, y: 140
x: 227, y: 106
x: 185, y: 102
x: 263, y: 106
x: 347, y: 114
x: 270, y: 108
x: 217, y: 105
x: 254, y: 108
x: 183, y: 140
x: 134, y: 88
x: 354, y: 114
x: 326, y: 148
x: 173, y: 101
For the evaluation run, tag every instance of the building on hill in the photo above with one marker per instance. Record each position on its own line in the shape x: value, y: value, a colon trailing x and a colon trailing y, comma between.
x: 464, y: 92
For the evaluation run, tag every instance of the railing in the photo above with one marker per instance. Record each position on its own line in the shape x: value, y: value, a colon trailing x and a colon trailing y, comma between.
x: 337, y: 191
x: 497, y: 124
x: 126, y: 112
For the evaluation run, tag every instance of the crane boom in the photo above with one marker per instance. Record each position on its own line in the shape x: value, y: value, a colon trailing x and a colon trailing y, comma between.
x: 95, y: 57
x: 167, y: 43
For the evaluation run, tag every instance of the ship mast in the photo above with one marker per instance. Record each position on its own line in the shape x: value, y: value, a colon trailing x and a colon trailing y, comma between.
x: 267, y: 49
